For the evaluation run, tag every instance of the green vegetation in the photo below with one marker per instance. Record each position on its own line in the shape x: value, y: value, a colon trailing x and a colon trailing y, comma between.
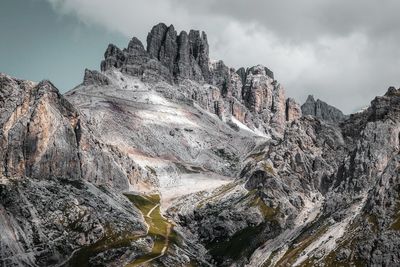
x: 347, y: 241
x: 110, y: 240
x: 258, y: 156
x: 396, y: 224
x: 159, y: 227
x: 295, y: 249
x: 331, y: 258
x: 243, y: 243
x: 373, y: 221
x: 268, y: 168
x: 255, y: 201
x: 160, y: 230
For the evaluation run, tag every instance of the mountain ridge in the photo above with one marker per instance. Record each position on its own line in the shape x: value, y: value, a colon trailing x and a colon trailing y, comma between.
x: 246, y: 176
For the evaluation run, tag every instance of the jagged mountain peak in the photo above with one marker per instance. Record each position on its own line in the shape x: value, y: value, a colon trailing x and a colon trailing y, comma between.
x: 322, y: 110
x: 250, y: 95
x: 310, y: 99
x: 392, y: 91
x: 177, y: 56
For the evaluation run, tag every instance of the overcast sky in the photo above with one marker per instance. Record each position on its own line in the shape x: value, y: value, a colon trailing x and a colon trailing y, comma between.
x: 344, y: 52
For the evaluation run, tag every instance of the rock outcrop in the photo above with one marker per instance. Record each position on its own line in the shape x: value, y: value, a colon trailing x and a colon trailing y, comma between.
x: 293, y: 110
x: 172, y: 56
x: 322, y: 110
x: 39, y: 131
x: 93, y: 77
x: 47, y: 208
x: 252, y: 96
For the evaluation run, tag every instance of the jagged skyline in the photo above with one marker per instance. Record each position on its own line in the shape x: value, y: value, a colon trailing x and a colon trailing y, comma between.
x: 166, y: 158
x: 343, y: 53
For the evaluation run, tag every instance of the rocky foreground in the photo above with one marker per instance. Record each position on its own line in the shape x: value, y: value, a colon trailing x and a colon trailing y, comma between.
x: 167, y: 158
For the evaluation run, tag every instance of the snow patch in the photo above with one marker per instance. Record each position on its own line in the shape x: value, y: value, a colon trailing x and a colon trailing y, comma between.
x: 246, y: 128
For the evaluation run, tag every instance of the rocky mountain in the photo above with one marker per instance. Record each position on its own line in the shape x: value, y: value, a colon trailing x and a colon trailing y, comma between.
x: 167, y: 158
x: 322, y: 110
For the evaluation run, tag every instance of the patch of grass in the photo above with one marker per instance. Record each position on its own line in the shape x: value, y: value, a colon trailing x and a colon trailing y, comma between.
x: 396, y: 220
x: 268, y: 168
x: 258, y: 156
x: 396, y: 224
x: 295, y: 250
x: 347, y: 241
x: 144, y: 202
x: 373, y: 221
x: 267, y: 212
x: 244, y: 242
x: 160, y: 230
x: 110, y: 240
x: 238, y: 246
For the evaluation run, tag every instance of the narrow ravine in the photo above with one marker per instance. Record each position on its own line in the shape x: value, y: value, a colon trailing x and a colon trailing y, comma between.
x: 159, y: 228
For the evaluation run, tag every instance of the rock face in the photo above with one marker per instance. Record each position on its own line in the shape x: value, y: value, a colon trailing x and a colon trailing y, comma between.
x: 47, y: 207
x: 95, y: 77
x: 34, y: 117
x: 322, y: 110
x: 252, y: 96
x: 293, y: 110
x: 172, y: 56
x: 246, y: 179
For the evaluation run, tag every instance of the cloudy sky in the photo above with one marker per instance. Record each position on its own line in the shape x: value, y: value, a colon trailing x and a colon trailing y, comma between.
x: 344, y: 52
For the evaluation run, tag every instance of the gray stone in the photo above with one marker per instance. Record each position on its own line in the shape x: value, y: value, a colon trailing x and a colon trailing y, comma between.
x: 322, y: 110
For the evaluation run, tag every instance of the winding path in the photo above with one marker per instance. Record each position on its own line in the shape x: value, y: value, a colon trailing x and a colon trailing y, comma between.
x: 149, y: 221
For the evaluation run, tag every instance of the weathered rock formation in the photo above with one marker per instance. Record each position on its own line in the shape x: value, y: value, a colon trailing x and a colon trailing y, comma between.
x: 252, y: 96
x: 168, y: 55
x: 47, y: 208
x: 246, y: 179
x: 322, y: 110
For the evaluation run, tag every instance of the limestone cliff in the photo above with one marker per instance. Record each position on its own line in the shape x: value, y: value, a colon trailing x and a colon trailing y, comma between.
x: 241, y: 177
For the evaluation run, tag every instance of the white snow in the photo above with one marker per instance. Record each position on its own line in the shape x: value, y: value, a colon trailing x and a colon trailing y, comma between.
x: 164, y: 117
x: 191, y: 183
x: 245, y: 128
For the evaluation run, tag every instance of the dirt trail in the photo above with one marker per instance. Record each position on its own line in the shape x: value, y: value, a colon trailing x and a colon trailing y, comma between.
x: 159, y: 228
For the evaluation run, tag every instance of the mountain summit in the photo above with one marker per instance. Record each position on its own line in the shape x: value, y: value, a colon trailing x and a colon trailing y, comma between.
x: 167, y: 158
x: 321, y: 110
x: 250, y: 95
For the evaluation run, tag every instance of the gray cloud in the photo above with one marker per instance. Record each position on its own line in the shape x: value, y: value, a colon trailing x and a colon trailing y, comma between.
x: 344, y: 52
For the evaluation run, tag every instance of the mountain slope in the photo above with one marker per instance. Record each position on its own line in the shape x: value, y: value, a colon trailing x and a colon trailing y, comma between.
x: 167, y: 158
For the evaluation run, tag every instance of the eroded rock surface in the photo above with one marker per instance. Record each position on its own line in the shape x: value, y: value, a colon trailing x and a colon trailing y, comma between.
x: 246, y: 179
x: 252, y: 96
x: 47, y: 208
x: 322, y: 110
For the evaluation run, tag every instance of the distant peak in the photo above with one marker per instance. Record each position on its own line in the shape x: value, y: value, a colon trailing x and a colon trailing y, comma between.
x: 310, y: 98
x: 261, y: 70
x: 392, y: 91
x: 172, y: 57
x: 322, y: 110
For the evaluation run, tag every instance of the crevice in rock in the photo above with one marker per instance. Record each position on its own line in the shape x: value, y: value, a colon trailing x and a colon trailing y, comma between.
x: 78, y: 135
